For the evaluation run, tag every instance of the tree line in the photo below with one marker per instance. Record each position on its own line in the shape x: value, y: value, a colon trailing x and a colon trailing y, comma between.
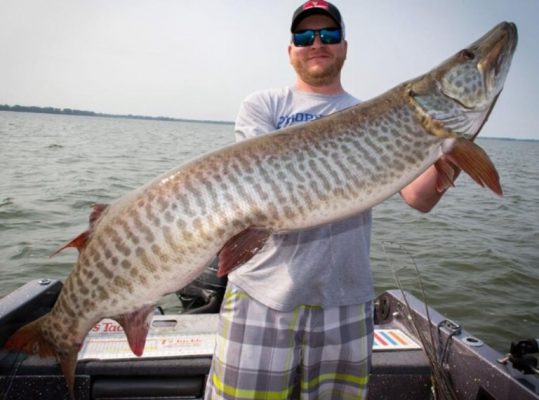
x: 70, y: 111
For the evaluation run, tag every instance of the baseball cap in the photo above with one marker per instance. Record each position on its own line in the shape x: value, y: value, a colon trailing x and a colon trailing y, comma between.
x: 316, y: 7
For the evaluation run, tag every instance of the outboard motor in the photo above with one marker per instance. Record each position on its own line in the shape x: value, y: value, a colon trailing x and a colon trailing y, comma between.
x: 205, y: 294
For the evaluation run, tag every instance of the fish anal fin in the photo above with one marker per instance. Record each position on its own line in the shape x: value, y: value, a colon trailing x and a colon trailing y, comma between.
x: 241, y: 248
x: 473, y: 160
x: 136, y: 326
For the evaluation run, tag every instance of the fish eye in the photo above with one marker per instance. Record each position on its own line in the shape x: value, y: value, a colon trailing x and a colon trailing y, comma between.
x: 467, y: 54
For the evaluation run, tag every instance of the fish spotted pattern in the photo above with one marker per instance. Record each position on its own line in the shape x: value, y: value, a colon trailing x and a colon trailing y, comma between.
x: 160, y: 237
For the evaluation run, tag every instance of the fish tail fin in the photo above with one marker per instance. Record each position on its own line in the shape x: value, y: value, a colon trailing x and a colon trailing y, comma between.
x: 29, y: 339
x: 68, y: 362
x: 473, y: 160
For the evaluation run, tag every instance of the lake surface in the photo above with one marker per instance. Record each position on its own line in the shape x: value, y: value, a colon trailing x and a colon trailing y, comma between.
x: 477, y: 254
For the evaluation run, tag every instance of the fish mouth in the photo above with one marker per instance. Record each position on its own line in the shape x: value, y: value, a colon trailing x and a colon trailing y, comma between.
x: 494, y: 53
x: 496, y: 48
x: 467, y: 85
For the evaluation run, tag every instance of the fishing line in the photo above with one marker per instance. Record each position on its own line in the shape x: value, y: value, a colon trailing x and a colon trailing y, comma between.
x: 17, y: 362
x: 442, y: 388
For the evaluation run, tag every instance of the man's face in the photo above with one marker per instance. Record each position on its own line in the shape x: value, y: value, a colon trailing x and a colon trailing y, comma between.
x: 319, y: 64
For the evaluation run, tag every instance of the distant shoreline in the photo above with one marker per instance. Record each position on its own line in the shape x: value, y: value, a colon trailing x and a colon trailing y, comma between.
x: 70, y: 111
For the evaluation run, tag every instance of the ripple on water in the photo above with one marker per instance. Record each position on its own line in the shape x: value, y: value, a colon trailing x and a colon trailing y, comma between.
x: 477, y: 253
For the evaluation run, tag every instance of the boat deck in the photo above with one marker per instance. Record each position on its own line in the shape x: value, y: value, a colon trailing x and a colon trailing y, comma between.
x: 178, y: 357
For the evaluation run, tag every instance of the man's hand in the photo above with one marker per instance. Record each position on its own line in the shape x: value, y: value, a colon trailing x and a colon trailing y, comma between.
x: 447, y: 173
x: 427, y: 189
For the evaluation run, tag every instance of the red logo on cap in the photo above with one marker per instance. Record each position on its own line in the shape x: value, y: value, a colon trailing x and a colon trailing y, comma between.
x: 319, y: 4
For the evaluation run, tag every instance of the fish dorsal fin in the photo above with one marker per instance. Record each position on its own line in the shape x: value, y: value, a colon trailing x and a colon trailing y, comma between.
x: 241, y: 248
x: 136, y: 326
x: 97, y: 211
x: 80, y: 241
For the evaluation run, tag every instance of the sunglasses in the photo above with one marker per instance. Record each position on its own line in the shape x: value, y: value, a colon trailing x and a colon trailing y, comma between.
x: 307, y: 36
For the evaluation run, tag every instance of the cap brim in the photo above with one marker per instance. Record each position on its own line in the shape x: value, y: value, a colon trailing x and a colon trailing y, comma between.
x: 308, y: 13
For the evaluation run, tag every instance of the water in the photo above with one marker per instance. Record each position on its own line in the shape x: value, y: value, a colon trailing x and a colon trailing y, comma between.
x: 478, y: 255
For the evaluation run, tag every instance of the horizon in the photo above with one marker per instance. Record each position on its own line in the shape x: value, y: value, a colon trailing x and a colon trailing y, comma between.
x: 91, y: 113
x: 198, y: 61
x: 164, y: 118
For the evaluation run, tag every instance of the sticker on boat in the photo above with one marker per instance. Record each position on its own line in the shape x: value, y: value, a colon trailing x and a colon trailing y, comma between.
x: 190, y: 335
x: 393, y: 339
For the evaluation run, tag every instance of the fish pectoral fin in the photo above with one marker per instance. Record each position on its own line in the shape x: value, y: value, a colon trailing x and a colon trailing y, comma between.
x: 136, y: 326
x: 241, y: 248
x: 473, y: 160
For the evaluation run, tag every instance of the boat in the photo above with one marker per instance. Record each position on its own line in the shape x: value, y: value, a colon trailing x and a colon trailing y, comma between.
x: 414, y: 347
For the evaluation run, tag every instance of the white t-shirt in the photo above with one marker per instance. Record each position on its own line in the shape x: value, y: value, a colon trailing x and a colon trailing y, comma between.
x: 324, y: 266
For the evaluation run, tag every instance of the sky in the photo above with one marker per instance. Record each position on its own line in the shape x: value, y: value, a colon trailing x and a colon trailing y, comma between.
x: 199, y: 59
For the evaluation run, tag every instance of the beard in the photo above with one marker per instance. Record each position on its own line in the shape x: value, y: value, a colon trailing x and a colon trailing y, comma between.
x: 319, y: 77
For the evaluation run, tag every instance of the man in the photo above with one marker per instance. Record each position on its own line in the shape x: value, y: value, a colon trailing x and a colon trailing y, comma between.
x: 296, y: 321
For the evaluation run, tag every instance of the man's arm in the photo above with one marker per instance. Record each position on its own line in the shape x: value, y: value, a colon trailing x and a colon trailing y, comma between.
x: 428, y: 188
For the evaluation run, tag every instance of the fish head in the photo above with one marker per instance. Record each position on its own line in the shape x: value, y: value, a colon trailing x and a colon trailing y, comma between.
x: 457, y: 97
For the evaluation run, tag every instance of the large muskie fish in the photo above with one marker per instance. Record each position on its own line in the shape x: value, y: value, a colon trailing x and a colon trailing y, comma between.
x: 160, y: 237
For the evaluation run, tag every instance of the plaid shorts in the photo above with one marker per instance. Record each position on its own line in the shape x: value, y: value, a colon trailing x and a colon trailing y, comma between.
x: 308, y: 353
